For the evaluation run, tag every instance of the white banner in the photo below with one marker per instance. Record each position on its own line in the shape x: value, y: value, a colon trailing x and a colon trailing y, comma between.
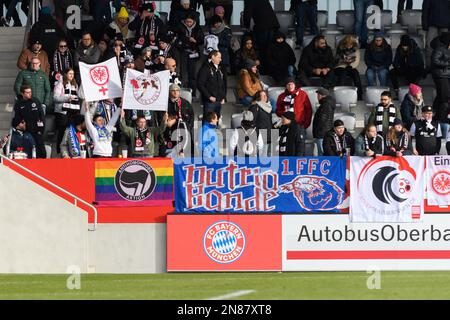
x: 101, y: 81
x: 387, y: 189
x: 331, y: 243
x: 438, y: 180
x: 146, y: 92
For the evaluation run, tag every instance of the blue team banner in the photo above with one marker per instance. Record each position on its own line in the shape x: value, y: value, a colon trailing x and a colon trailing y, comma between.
x: 277, y: 185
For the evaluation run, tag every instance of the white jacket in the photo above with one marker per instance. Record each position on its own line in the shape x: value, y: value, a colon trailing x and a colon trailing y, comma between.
x: 102, y: 147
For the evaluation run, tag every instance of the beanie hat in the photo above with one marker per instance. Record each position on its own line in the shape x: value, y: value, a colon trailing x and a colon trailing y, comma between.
x: 15, y: 121
x: 215, y: 19
x: 378, y: 34
x: 123, y: 13
x: 397, y: 121
x: 405, y: 41
x: 148, y: 5
x: 46, y: 11
x: 289, y: 115
x: 414, y: 89
x: 249, y: 63
x: 338, y: 123
x: 219, y: 9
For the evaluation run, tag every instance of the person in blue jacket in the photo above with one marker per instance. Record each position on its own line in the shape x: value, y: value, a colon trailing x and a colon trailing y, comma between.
x: 208, y: 140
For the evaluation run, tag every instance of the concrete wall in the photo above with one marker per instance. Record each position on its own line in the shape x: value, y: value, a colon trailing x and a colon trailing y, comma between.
x: 39, y: 231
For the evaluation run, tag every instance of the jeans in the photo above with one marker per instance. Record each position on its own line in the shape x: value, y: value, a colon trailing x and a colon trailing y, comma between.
x: 361, y: 19
x: 246, y: 101
x: 401, y: 6
x: 381, y: 73
x: 444, y: 129
x: 305, y: 11
x: 319, y: 144
x: 212, y: 106
x: 291, y: 71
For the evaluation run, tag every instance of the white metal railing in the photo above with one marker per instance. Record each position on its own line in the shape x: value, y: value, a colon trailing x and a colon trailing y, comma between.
x: 74, y: 197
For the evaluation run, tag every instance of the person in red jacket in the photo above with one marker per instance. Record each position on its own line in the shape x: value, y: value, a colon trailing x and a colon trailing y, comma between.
x: 296, y: 100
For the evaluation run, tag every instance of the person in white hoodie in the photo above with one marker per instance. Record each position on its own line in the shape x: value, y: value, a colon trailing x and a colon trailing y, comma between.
x: 101, y: 133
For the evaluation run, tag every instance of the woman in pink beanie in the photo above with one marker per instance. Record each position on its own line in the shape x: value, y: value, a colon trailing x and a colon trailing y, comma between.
x: 412, y: 105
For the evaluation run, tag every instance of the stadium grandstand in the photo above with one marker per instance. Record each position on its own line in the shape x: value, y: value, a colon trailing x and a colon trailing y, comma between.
x: 212, y: 136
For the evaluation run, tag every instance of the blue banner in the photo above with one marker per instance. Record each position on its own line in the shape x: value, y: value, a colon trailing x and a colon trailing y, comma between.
x: 278, y: 185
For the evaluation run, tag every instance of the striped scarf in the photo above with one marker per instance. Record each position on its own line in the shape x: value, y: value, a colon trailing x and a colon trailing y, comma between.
x: 369, y: 143
x: 380, y: 114
x: 401, y: 143
x: 73, y: 104
x: 62, y: 61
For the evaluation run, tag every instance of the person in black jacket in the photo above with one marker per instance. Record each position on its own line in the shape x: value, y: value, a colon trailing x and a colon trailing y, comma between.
x: 182, y: 12
x: 428, y: 134
x: 262, y: 114
x: 440, y: 70
x: 292, y: 140
x: 180, y: 107
x: 412, y: 105
x: 265, y: 20
x: 338, y: 142
x: 190, y: 38
x: 378, y: 58
x: 280, y: 58
x: 408, y: 63
x: 30, y: 109
x: 435, y: 20
x: 369, y: 143
x: 19, y: 138
x: 317, y: 61
x: 212, y: 83
x: 323, y: 118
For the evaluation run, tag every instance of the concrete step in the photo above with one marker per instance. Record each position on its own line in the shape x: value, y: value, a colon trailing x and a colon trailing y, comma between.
x: 8, y: 81
x: 6, y: 98
x: 11, y: 46
x: 7, y: 89
x: 9, y: 72
x: 12, y: 31
x: 16, y: 38
x: 10, y: 55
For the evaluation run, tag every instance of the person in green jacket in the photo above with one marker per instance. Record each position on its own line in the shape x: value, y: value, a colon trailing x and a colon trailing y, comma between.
x: 38, y: 80
x: 144, y: 140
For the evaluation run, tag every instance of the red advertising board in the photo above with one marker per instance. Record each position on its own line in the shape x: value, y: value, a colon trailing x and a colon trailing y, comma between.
x: 224, y: 242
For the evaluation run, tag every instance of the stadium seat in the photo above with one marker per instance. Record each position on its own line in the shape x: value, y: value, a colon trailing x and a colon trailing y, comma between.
x: 373, y: 95
x: 412, y: 20
x: 236, y: 120
x: 322, y: 20
x: 163, y: 16
x: 345, y: 97
x: 419, y: 40
x: 402, y: 92
x: 274, y: 92
x: 307, y: 40
x: 186, y: 94
x: 312, y: 95
x: 286, y: 19
x: 386, y: 20
x: 349, y: 120
x: 50, y: 128
x: 345, y: 20
x: 267, y: 80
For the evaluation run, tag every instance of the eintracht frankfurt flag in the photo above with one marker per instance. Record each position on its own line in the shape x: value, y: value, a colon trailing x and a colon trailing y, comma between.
x: 101, y: 81
x: 146, y: 92
x: 387, y: 189
x: 438, y: 180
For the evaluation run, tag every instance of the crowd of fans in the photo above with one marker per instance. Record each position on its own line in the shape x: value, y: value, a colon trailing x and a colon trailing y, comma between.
x: 201, y: 57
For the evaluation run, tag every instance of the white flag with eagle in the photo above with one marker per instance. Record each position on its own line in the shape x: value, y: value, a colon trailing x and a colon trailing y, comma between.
x: 146, y: 92
x: 101, y: 81
x: 438, y: 177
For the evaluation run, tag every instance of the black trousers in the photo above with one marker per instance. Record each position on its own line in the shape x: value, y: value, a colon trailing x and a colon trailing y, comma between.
x: 401, y: 6
x: 41, y: 153
x: 412, y: 75
x: 448, y: 148
x: 189, y: 72
x: 62, y: 122
x: 342, y: 73
x: 442, y: 98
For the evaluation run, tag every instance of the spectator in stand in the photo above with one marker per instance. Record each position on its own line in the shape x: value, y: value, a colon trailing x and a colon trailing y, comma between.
x: 208, y: 139
x: 176, y: 139
x: 412, y: 105
x: 427, y: 133
x: 67, y: 103
x: 398, y: 141
x: 62, y: 60
x: 30, y: 109
x: 383, y: 115
x: 280, y: 58
x: 338, y: 142
x: 408, y: 63
x: 166, y: 49
x: 121, y: 25
x: 101, y: 10
x: 246, y: 51
x: 144, y: 63
x: 37, y: 80
x: 180, y: 14
x: 87, y: 52
x: 323, y: 118
x: 223, y: 8
x: 348, y: 57
x: 248, y: 83
x: 361, y: 20
x: 212, y: 84
x: 171, y: 65
x: 297, y: 101
x: 34, y: 51
x: 190, y: 38
x: 440, y: 70
x: 145, y: 25
x: 5, y: 20
x: 435, y: 21
x: 223, y: 33
x: 369, y: 143
x: 262, y: 115
x: 20, y: 138
x: 119, y: 51
x: 47, y: 30
x: 305, y: 10
x: 378, y: 58
x: 180, y: 107
x: 292, y: 137
x: 317, y: 61
x: 401, y: 7
x: 265, y: 20
x: 246, y: 141
x: 144, y: 139
x: 76, y: 142
x: 101, y: 132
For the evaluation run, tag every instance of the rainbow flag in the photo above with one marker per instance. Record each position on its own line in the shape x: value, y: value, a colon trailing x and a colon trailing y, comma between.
x: 134, y: 182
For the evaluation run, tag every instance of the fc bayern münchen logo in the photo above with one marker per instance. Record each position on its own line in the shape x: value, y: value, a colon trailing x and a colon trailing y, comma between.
x: 224, y: 242
x: 135, y: 180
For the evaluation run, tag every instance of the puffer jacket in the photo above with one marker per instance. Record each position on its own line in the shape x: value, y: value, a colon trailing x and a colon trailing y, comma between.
x: 245, y: 85
x: 440, y: 62
x: 39, y: 82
